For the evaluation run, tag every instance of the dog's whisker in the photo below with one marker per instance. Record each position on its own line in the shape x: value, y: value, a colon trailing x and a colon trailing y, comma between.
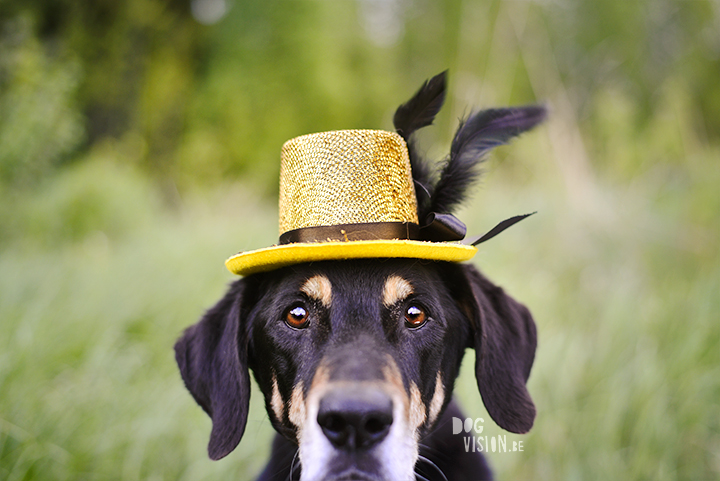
x: 419, y: 477
x: 431, y: 450
x: 425, y: 446
x: 293, y: 467
x: 437, y: 468
x: 437, y: 427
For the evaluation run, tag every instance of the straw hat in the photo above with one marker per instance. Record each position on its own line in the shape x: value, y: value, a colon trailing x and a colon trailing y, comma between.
x: 349, y: 194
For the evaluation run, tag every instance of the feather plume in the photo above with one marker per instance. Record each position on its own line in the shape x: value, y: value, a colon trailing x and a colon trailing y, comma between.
x: 416, y: 113
x: 421, y: 109
x: 476, y: 136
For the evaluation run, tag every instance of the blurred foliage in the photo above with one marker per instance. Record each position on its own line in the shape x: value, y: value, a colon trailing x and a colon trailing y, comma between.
x: 139, y: 146
x: 214, y: 102
x: 40, y: 123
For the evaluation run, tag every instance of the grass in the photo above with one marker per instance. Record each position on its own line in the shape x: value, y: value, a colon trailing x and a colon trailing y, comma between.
x: 88, y: 385
x: 625, y: 291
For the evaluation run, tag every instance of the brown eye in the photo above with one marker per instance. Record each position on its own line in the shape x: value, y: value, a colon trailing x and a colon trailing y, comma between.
x: 415, y: 317
x: 296, y: 317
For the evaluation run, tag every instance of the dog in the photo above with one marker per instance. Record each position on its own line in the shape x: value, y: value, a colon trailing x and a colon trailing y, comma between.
x: 356, y: 358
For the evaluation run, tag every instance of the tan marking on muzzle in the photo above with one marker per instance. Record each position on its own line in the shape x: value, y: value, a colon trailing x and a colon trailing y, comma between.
x: 436, y: 403
x: 392, y: 375
x: 318, y: 287
x: 276, y: 401
x: 321, y: 378
x: 296, y: 413
x: 414, y: 407
x: 396, y: 289
x: 298, y: 403
x: 416, y: 413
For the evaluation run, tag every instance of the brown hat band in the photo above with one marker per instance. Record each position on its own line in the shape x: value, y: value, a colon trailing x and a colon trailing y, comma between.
x: 438, y: 228
x: 351, y: 232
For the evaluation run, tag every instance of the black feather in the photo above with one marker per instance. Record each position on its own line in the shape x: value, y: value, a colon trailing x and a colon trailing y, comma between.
x: 421, y: 109
x: 422, y: 175
x: 416, y: 113
x: 480, y: 133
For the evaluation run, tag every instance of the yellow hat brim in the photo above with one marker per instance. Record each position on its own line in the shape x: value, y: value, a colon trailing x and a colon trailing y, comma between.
x: 274, y: 257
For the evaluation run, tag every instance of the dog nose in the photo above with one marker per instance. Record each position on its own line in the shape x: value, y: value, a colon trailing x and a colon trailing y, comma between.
x: 355, y: 418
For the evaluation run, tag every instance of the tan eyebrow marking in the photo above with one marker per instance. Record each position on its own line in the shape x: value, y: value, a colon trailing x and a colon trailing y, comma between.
x: 437, y: 400
x: 396, y: 289
x: 276, y: 400
x: 318, y: 287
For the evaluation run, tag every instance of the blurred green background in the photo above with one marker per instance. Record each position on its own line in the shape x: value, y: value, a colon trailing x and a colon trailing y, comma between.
x: 139, y: 147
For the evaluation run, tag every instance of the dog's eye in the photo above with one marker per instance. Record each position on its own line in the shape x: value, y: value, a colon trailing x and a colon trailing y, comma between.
x: 415, y: 316
x: 296, y: 317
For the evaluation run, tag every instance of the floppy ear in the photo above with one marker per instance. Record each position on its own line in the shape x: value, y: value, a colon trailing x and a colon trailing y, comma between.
x: 212, y: 356
x: 504, y: 339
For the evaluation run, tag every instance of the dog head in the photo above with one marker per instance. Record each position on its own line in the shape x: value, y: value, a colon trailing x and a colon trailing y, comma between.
x: 357, y: 359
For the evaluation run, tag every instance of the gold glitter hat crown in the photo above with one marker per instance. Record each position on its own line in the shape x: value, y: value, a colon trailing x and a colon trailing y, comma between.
x: 345, y: 177
x: 346, y: 194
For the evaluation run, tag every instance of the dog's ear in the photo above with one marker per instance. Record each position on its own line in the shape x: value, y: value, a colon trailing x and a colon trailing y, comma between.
x: 504, y: 338
x: 212, y: 356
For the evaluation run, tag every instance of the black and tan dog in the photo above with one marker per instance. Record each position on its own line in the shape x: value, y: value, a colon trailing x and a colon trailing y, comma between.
x: 357, y: 357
